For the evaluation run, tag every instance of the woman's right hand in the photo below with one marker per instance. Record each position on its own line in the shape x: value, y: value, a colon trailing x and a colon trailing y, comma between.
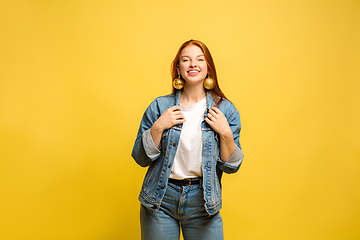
x: 169, y: 118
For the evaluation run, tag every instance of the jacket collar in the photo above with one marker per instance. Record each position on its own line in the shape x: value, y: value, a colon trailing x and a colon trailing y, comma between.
x: 209, y: 100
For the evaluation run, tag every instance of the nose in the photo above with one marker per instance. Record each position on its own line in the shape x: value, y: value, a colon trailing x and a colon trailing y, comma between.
x: 193, y: 64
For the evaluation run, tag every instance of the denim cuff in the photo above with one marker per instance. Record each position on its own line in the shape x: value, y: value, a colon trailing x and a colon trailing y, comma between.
x: 151, y: 150
x: 235, y: 159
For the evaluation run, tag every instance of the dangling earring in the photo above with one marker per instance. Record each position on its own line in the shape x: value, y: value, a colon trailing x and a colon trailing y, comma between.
x: 209, y: 83
x: 178, y: 83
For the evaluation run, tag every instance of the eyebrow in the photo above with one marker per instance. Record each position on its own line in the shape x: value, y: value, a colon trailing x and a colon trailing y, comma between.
x: 202, y: 55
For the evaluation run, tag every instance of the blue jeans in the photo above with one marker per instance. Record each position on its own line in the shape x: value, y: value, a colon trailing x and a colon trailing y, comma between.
x: 181, y: 206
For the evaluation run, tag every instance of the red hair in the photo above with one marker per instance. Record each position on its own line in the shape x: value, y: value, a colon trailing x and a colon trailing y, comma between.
x: 218, y: 95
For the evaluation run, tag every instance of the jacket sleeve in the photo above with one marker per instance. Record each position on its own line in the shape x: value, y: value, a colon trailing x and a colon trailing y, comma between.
x: 232, y: 165
x: 144, y: 151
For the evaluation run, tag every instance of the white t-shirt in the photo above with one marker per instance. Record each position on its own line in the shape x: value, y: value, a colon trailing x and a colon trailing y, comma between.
x: 187, y: 162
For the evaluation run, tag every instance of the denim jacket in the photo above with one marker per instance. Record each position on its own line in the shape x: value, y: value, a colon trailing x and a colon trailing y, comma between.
x: 159, y: 161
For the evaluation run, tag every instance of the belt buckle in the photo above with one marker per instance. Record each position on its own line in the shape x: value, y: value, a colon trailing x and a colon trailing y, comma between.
x: 189, y: 184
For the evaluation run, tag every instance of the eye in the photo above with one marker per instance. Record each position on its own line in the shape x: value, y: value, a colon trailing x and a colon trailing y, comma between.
x: 185, y: 60
x: 201, y: 59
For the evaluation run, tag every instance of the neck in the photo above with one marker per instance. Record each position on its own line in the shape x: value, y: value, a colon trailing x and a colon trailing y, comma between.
x: 192, y: 95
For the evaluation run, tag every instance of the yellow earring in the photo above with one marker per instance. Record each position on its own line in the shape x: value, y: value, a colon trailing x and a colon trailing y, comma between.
x: 178, y: 83
x: 209, y: 83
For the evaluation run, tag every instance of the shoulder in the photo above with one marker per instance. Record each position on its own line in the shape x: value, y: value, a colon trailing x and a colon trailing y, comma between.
x: 227, y: 105
x: 162, y: 102
x: 228, y: 108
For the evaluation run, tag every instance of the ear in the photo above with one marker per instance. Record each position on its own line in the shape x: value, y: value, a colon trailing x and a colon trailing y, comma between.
x: 178, y: 69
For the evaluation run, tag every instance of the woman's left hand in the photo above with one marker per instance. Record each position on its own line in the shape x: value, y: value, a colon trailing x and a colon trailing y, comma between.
x: 217, y: 120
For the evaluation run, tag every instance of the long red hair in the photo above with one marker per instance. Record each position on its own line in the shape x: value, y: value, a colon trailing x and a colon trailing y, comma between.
x: 218, y: 95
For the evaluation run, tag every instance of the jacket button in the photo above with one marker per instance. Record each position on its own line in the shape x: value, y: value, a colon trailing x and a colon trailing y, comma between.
x: 174, y: 144
x: 162, y: 187
x: 169, y: 166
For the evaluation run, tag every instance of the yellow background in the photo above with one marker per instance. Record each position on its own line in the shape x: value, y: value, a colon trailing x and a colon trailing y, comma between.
x: 76, y: 77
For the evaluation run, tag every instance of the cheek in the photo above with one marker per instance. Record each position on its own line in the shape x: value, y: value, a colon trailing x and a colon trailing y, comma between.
x: 205, y: 69
x: 204, y: 66
x: 181, y: 68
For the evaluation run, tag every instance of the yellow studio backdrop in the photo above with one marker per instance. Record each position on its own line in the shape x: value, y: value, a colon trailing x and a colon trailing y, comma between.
x: 76, y: 77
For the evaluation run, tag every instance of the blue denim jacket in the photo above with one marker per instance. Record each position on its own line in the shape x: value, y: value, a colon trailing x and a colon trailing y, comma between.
x: 159, y: 164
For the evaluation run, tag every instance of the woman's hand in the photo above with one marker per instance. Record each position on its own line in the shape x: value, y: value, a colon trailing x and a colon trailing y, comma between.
x: 169, y: 118
x: 217, y: 120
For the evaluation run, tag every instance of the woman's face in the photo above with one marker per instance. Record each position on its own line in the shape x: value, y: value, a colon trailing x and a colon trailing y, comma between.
x: 192, y: 64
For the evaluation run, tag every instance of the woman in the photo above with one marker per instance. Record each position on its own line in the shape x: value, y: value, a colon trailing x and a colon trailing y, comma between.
x: 187, y: 139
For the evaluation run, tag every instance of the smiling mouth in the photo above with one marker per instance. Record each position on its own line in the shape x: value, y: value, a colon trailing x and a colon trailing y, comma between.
x: 193, y: 71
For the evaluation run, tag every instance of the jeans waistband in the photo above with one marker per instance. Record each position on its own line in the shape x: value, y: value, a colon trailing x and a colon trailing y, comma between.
x: 186, y: 182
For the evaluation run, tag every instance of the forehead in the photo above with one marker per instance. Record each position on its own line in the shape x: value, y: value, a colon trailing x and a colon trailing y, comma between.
x: 191, y: 51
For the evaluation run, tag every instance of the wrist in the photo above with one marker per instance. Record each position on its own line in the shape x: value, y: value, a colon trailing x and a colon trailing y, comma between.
x: 226, y: 135
x: 156, y: 127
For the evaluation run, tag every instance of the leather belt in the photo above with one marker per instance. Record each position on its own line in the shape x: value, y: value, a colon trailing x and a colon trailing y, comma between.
x: 186, y: 182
